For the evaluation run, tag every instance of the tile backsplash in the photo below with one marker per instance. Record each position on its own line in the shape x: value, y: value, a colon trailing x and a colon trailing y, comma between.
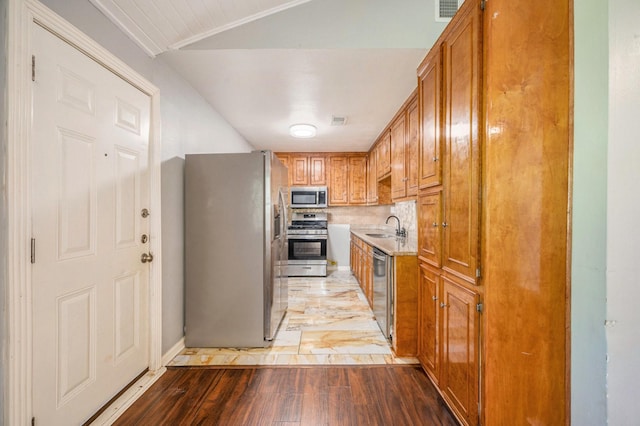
x: 365, y: 215
x: 374, y: 215
x: 407, y: 213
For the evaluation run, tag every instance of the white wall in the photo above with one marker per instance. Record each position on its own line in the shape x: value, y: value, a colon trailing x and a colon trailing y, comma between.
x: 623, y: 214
x: 588, y: 344
x: 189, y: 125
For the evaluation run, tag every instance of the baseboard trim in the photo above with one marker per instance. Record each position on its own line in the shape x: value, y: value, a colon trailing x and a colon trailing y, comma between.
x: 171, y: 353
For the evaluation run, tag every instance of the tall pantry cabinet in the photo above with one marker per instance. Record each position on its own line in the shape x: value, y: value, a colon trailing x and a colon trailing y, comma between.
x: 494, y: 161
x: 449, y: 212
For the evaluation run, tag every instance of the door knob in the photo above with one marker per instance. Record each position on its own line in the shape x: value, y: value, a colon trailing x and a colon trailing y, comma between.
x: 146, y: 258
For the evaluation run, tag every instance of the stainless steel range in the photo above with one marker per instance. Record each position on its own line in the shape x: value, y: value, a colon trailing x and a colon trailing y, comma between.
x: 308, y: 245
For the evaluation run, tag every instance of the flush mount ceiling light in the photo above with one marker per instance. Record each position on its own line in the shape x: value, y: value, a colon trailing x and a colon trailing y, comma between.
x: 302, y: 131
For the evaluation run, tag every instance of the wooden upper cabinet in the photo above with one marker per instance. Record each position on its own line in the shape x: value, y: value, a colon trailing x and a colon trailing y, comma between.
x: 383, y: 153
x: 429, y: 90
x: 286, y: 160
x: 413, y: 147
x: 317, y: 170
x: 358, y: 180
x: 300, y: 170
x: 404, y: 150
x: 398, y: 178
x: 338, y: 180
x: 347, y: 179
x: 372, y: 178
x: 305, y: 169
x: 462, y: 151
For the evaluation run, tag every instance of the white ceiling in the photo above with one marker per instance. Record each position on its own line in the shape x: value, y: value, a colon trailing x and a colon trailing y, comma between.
x: 267, y: 64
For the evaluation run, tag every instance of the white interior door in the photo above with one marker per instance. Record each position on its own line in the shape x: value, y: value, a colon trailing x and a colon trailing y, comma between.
x: 90, y: 183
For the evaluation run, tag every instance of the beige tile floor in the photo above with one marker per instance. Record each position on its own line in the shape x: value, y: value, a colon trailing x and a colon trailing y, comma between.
x: 328, y: 322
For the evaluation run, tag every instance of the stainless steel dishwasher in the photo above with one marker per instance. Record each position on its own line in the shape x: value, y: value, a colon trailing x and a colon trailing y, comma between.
x: 383, y: 291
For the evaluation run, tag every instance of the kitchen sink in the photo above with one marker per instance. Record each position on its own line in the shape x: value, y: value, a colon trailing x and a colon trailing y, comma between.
x: 381, y: 235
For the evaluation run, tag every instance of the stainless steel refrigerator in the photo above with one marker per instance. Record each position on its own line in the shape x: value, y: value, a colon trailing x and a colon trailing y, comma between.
x: 236, y: 288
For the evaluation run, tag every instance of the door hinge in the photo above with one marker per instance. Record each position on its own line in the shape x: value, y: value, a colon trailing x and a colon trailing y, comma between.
x: 33, y: 250
x: 482, y: 4
x: 479, y: 307
x: 477, y: 272
x: 33, y: 67
x: 33, y: 421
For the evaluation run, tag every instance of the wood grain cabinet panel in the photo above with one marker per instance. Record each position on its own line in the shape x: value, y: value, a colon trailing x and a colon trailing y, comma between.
x: 449, y: 212
x: 317, y: 171
x: 383, y: 153
x: 461, y: 182
x: 429, y: 321
x: 300, y: 170
x: 404, y: 133
x: 429, y: 90
x: 413, y: 147
x: 460, y: 367
x: 372, y: 178
x: 286, y: 160
x: 508, y: 250
x: 357, y: 179
x: 429, y: 228
x: 405, y: 302
x: 338, y: 180
x: 398, y: 142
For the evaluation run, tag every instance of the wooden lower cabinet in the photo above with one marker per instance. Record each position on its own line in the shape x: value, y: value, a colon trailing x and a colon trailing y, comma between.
x: 448, y: 340
x: 405, y: 293
x: 429, y: 321
x: 405, y: 306
x: 460, y: 337
x: 361, y: 257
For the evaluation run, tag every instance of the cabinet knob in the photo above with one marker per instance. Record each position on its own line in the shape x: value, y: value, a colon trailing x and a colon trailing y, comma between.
x: 435, y: 224
x: 434, y: 297
x: 445, y: 224
x: 443, y: 305
x: 435, y: 159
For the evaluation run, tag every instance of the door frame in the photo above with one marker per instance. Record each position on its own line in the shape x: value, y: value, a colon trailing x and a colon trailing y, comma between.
x: 22, y: 15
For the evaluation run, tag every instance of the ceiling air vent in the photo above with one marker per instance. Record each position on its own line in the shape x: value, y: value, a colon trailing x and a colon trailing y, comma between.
x: 338, y: 121
x: 445, y: 9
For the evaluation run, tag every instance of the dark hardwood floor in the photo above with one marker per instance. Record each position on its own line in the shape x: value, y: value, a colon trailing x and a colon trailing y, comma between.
x: 320, y: 395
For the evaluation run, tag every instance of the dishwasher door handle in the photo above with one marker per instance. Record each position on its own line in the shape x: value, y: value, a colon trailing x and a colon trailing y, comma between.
x: 379, y: 255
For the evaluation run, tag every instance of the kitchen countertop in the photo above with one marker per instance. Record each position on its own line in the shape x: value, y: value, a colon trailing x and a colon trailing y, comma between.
x: 393, y: 246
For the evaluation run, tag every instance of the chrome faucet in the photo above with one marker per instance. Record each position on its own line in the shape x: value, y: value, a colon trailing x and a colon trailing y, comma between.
x: 400, y: 232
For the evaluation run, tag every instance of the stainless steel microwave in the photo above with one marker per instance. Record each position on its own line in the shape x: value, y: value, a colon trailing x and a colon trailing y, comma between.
x: 305, y: 197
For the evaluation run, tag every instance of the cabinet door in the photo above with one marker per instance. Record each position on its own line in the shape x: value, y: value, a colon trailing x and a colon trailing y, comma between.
x: 459, y: 369
x: 286, y: 160
x: 383, y: 150
x: 372, y: 179
x: 429, y: 321
x: 412, y: 150
x: 338, y: 180
x: 398, y: 178
x: 300, y: 172
x: 429, y: 228
x: 317, y: 170
x: 461, y: 165
x: 357, y: 180
x: 429, y: 84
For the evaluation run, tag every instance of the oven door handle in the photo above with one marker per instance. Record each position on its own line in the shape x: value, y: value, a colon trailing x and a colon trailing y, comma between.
x: 307, y: 237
